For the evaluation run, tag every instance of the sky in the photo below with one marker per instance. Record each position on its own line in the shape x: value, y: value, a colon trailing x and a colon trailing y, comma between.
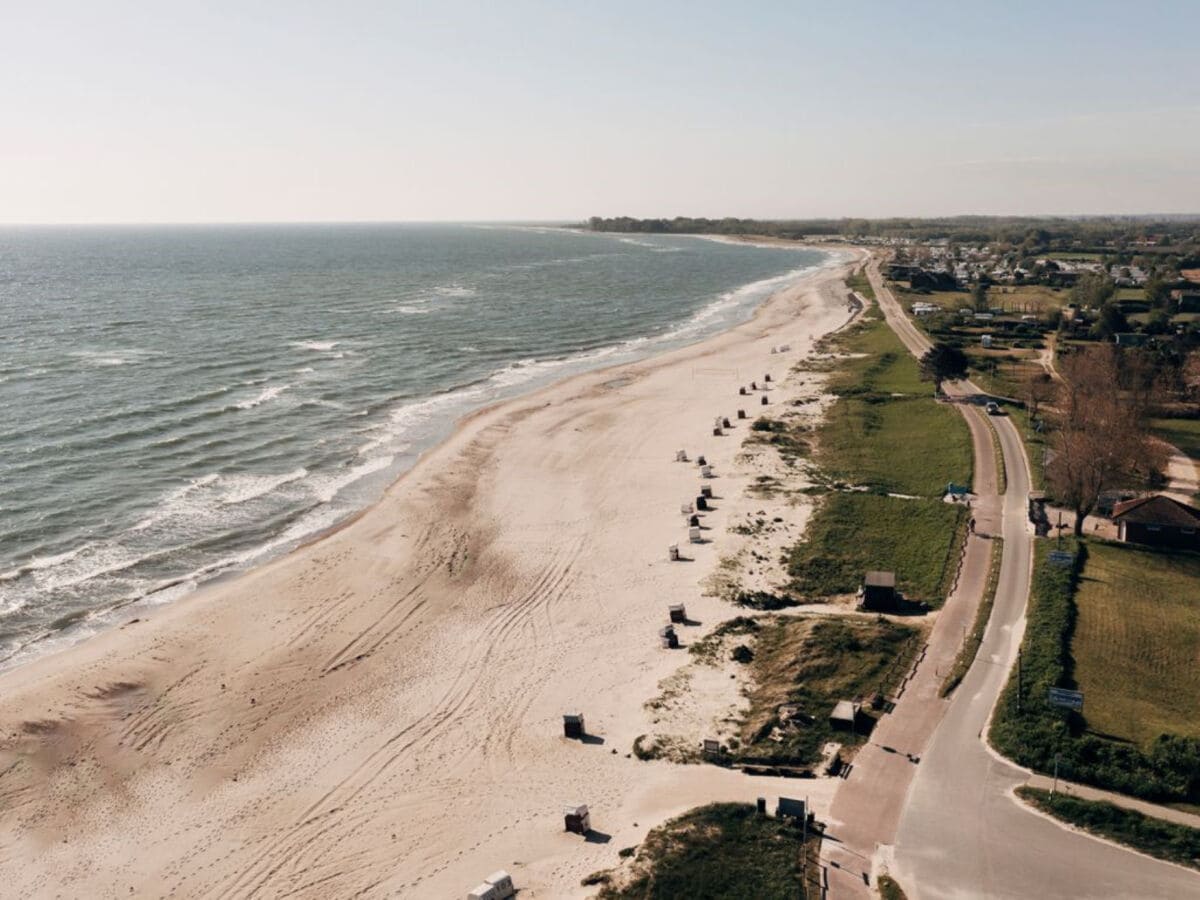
x: 288, y: 110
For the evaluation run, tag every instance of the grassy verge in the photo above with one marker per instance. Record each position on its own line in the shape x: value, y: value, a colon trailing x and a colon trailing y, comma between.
x: 970, y: 647
x: 862, y: 284
x: 852, y: 533
x: 1167, y: 769
x: 1035, y: 447
x: 887, y: 433
x: 724, y: 850
x: 810, y: 663
x: 1155, y: 837
x: 903, y: 445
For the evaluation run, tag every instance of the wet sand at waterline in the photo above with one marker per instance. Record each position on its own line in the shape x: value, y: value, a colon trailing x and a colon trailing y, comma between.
x: 379, y: 712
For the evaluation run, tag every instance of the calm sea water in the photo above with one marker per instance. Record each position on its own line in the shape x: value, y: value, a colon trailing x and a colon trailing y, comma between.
x: 180, y: 402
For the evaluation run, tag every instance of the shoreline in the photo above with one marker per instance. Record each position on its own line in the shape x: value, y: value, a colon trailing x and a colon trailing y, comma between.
x: 85, y: 624
x: 413, y: 655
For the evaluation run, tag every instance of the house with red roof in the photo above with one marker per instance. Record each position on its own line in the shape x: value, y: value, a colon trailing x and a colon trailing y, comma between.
x: 1158, y: 521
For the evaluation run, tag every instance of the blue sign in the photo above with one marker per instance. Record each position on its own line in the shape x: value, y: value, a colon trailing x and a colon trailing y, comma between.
x: 1066, y: 699
x: 1061, y: 558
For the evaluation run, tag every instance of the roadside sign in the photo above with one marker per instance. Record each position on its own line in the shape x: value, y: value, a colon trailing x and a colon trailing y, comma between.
x: 1067, y: 699
x: 1061, y: 558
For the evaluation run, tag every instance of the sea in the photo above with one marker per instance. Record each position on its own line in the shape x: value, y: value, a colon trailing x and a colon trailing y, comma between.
x: 182, y: 402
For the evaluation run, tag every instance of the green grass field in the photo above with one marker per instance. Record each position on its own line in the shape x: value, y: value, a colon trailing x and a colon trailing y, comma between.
x: 852, y: 533
x: 723, y: 850
x: 905, y: 446
x: 1118, y: 647
x: 1182, y: 433
x: 1137, y: 642
x: 882, y: 364
x: 886, y: 432
x: 1033, y: 299
x: 1165, y: 840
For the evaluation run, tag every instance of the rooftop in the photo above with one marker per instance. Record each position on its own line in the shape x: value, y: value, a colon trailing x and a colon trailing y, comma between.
x: 1157, y: 510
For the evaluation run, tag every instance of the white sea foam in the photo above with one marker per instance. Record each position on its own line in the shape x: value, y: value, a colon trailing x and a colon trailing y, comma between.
x: 267, y: 395
x: 455, y: 290
x: 318, y: 346
x: 410, y: 310
x: 327, y: 488
x: 249, y: 487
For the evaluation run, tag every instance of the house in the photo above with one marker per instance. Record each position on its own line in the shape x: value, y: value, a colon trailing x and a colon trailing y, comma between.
x: 1158, y: 521
x: 879, y: 591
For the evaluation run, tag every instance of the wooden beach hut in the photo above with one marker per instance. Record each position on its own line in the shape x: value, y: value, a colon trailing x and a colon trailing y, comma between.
x: 577, y: 819
x: 677, y: 613
x: 879, y: 591
x: 573, y: 726
x: 503, y: 884
x: 845, y: 715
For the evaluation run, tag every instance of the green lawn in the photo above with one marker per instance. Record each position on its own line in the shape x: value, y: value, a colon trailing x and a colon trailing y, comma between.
x: 900, y: 445
x: 1137, y: 642
x: 886, y: 431
x: 1156, y: 837
x: 882, y: 364
x: 1182, y: 433
x: 852, y: 533
x: 724, y: 850
x: 1035, y: 446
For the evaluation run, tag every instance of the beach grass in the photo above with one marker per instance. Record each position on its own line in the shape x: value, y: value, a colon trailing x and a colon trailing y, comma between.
x: 852, y: 533
x: 889, y: 888
x: 723, y: 850
x: 1155, y: 837
x: 813, y: 662
x: 1137, y: 640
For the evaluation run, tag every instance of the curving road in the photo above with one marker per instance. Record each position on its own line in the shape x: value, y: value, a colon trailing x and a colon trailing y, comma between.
x: 962, y: 833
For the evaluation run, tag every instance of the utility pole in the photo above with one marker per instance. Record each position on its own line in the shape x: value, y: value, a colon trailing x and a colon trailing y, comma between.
x: 1054, y: 789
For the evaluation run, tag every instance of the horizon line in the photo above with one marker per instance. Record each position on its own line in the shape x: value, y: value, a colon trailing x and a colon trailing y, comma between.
x: 582, y: 221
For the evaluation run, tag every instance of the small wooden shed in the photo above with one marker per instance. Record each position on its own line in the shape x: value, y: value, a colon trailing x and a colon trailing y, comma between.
x: 879, y: 591
x: 668, y: 638
x: 677, y: 613
x: 845, y: 714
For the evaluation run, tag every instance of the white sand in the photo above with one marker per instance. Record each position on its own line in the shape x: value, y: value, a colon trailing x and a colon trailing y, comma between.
x: 379, y: 712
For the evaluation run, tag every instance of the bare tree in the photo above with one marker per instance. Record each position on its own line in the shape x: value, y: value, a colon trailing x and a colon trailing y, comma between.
x: 1101, y: 440
x: 1037, y: 390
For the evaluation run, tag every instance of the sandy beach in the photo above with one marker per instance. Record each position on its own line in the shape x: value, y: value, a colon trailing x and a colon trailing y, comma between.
x: 379, y: 713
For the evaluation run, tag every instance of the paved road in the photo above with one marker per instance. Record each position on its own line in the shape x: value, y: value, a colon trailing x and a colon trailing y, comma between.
x: 962, y: 834
x: 867, y: 806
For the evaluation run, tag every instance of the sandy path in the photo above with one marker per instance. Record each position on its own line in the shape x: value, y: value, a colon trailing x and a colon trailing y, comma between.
x: 379, y: 713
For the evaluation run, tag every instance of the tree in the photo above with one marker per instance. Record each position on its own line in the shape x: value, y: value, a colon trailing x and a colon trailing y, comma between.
x: 1038, y: 389
x: 979, y: 297
x: 1111, y: 321
x: 1092, y: 290
x: 1102, y: 440
x: 943, y: 362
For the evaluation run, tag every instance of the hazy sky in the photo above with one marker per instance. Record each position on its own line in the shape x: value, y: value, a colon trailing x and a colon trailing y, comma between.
x: 295, y: 110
